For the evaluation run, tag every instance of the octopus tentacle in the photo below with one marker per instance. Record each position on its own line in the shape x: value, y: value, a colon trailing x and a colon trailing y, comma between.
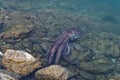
x: 60, y: 50
x: 67, y: 49
x: 53, y: 50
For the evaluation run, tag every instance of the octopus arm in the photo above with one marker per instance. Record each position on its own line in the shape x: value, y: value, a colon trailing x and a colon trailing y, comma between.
x: 67, y: 50
x: 53, y: 50
x: 60, y: 50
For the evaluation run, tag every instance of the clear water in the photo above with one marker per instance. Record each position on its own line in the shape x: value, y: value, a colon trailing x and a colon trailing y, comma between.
x: 98, y: 9
x: 105, y: 11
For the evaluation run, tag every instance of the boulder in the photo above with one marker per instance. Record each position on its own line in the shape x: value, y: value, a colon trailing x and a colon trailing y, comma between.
x: 20, y: 62
x: 53, y: 72
x: 17, y: 31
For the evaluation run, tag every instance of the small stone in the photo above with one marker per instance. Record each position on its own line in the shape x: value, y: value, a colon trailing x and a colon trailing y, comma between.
x: 5, y: 47
x: 1, y: 54
x: 53, y: 72
x: 100, y: 77
x: 115, y: 76
x: 7, y: 75
x: 86, y: 75
x: 117, y: 69
x: 20, y: 62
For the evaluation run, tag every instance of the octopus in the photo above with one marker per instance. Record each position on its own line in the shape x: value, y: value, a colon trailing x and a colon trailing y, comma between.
x: 60, y: 46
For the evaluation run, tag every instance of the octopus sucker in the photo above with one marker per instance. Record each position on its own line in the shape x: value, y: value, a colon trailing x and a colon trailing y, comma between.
x: 60, y: 47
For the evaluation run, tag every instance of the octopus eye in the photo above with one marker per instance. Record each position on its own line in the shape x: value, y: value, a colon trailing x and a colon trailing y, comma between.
x: 75, y: 36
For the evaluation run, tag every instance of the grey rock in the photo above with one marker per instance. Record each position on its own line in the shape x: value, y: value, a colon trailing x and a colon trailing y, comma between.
x: 97, y: 66
x: 115, y: 76
x: 7, y: 75
x: 80, y: 56
x: 86, y: 75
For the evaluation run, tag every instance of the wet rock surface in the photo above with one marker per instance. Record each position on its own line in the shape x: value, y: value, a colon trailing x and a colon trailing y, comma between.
x: 53, y: 72
x: 77, y: 56
x: 86, y: 75
x: 17, y: 31
x: 20, y: 62
x: 7, y: 75
x: 98, y: 66
x: 115, y: 76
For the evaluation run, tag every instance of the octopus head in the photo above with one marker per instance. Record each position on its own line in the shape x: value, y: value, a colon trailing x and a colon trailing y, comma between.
x: 74, y: 34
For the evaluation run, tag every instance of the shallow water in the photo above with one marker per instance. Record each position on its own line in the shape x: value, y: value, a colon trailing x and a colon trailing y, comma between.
x: 94, y: 16
x: 95, y: 9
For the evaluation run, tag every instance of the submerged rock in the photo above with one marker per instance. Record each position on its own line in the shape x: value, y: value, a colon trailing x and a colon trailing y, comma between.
x: 7, y: 75
x: 102, y: 65
x: 17, y: 31
x: 80, y: 56
x: 20, y: 62
x: 106, y: 44
x: 115, y: 76
x: 2, y: 26
x: 86, y: 75
x: 53, y: 72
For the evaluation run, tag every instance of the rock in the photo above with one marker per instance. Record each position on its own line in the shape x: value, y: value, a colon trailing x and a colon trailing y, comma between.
x: 117, y: 69
x: 20, y: 62
x: 2, y: 26
x: 103, y: 44
x: 5, y: 47
x: 17, y: 31
x: 1, y: 54
x: 84, y: 54
x: 86, y: 75
x: 53, y: 72
x: 115, y: 76
x: 101, y: 76
x: 7, y: 75
x: 102, y: 65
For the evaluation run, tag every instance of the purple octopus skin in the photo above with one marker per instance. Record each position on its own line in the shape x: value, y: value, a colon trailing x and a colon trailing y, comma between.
x: 60, y: 46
